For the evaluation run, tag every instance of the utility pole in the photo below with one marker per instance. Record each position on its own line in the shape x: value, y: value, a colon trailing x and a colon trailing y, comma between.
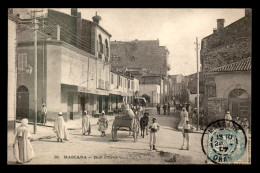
x: 33, y: 16
x: 198, y: 107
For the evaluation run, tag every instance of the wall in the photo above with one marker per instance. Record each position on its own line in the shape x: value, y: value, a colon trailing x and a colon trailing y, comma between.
x: 11, y: 74
x: 27, y: 80
x: 229, y: 45
x: 54, y: 82
x: 144, y: 54
x: 152, y: 90
x: 225, y: 83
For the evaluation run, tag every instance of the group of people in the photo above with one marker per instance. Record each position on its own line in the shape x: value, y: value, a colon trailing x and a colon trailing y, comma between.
x: 243, y: 122
x: 166, y: 108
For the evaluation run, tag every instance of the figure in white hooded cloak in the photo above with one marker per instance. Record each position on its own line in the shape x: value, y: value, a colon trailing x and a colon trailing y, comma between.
x: 184, y: 117
x: 22, y: 148
x: 60, y: 129
x: 86, y: 128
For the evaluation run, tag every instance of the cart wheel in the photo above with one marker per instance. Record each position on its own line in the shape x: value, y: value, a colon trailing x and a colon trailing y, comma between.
x: 114, y: 132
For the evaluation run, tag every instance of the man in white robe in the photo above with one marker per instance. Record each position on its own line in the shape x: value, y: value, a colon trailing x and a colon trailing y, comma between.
x: 184, y: 117
x: 86, y: 128
x: 22, y: 148
x: 60, y: 129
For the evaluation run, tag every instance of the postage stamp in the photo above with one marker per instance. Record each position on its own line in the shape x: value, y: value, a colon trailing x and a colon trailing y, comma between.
x: 226, y: 143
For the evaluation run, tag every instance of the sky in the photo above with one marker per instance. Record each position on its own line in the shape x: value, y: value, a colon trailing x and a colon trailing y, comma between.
x: 175, y: 28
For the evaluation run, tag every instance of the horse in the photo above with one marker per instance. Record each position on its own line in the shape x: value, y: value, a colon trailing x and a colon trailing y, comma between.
x: 144, y: 123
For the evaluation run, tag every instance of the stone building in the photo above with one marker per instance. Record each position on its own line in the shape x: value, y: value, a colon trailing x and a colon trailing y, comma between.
x: 229, y: 88
x: 228, y: 47
x: 140, y: 57
x: 70, y: 77
x: 12, y: 44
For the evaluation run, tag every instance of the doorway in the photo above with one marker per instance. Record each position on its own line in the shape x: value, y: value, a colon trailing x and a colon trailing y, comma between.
x: 22, y: 107
x: 82, y: 102
x: 239, y: 104
x: 70, y: 105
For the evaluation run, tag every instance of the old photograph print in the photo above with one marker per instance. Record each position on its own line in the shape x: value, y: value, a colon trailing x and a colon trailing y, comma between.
x: 129, y: 86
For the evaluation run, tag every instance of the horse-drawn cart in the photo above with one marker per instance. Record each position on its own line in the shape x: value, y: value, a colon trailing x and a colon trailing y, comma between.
x: 124, y: 123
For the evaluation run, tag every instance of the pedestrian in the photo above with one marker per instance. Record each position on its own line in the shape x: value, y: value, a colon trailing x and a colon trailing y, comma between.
x: 184, y: 117
x: 238, y: 120
x: 154, y: 128
x: 86, y: 127
x: 103, y: 123
x: 245, y: 124
x: 164, y: 108
x: 169, y: 107
x: 22, y: 148
x: 60, y: 128
x: 158, y: 108
x: 201, y: 121
x: 186, y: 134
x: 43, y: 114
x: 228, y: 117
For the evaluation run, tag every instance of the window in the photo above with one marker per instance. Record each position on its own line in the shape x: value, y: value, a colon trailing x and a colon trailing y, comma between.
x: 132, y: 85
x: 107, y: 48
x: 129, y: 84
x: 22, y: 61
x: 100, y: 44
x: 125, y: 83
x: 112, y: 78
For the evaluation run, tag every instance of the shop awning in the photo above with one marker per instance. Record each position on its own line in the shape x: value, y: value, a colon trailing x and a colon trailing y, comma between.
x: 92, y: 91
x: 115, y: 92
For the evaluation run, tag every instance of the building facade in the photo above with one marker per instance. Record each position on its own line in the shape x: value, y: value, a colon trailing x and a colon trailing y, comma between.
x: 70, y: 77
x: 226, y: 47
x: 12, y: 73
x: 141, y: 57
x: 229, y: 89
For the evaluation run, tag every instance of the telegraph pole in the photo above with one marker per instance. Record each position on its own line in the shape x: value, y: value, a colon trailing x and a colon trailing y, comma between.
x: 33, y: 16
x: 198, y: 107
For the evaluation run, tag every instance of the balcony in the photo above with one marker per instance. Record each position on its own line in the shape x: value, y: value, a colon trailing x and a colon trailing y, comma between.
x: 101, y: 84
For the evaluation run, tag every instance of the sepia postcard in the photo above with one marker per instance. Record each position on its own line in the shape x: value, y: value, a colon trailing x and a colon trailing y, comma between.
x: 129, y: 86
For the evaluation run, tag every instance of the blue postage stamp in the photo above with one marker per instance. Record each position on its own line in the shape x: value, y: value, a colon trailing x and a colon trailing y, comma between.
x: 226, y: 143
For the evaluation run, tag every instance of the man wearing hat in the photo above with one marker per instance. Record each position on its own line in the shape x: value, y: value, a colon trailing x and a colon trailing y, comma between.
x: 43, y: 114
x: 154, y: 128
x: 186, y: 134
x: 228, y: 117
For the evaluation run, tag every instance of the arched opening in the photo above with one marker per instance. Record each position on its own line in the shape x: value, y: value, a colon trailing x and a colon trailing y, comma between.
x: 22, y: 107
x: 239, y: 103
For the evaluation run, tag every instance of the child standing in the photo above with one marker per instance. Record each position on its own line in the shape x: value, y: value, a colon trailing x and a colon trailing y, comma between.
x: 186, y: 134
x: 154, y: 127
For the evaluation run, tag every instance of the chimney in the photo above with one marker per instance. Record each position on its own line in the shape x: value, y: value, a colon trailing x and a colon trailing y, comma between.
x: 248, y: 12
x: 220, y: 24
x: 74, y: 11
x: 58, y: 32
x: 96, y: 18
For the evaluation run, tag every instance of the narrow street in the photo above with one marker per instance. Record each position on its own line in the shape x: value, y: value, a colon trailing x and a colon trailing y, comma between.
x: 95, y: 149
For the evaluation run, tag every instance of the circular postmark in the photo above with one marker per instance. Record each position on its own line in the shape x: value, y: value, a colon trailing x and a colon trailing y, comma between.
x: 226, y: 142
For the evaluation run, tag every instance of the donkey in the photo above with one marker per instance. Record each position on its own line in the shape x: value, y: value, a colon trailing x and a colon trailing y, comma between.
x: 144, y: 123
